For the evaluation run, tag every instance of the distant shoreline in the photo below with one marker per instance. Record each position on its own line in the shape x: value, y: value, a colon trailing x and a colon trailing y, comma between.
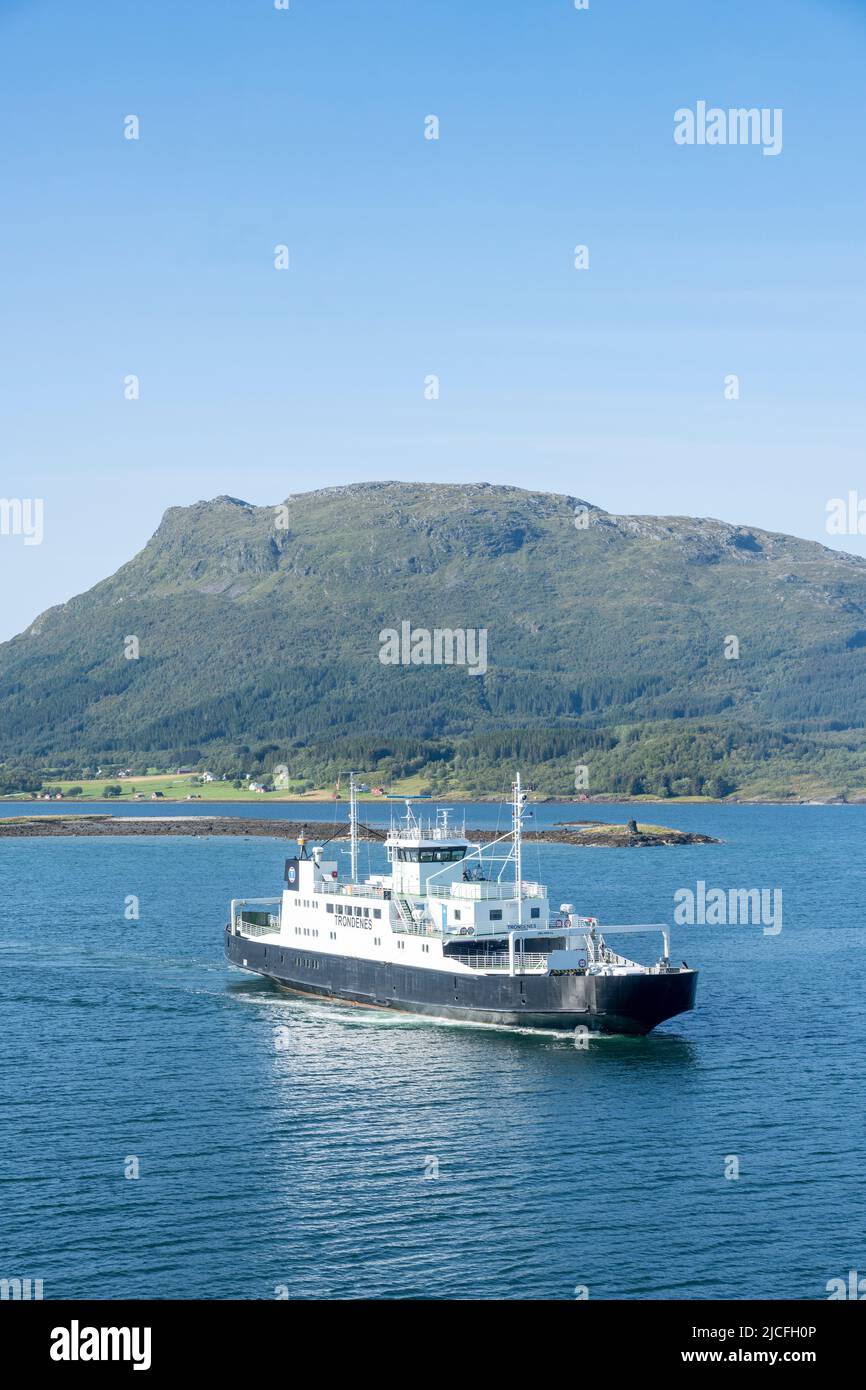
x: 592, y: 834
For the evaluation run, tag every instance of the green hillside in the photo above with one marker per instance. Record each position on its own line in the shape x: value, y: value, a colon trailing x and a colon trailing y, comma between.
x: 260, y: 646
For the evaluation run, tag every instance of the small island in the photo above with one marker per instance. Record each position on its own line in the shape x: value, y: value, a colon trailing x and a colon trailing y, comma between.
x: 588, y: 834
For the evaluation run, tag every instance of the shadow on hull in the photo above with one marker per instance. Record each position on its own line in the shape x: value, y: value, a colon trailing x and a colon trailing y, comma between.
x: 629, y: 1004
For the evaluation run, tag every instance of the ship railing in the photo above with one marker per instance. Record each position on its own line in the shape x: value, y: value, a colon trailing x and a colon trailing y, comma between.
x: 424, y: 926
x: 415, y: 833
x: 594, y: 946
x: 480, y: 890
x: 528, y: 961
x: 249, y: 916
x: 268, y: 928
x: 353, y: 890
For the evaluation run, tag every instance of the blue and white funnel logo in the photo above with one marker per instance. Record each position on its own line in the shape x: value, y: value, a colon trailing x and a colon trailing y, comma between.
x: 292, y: 874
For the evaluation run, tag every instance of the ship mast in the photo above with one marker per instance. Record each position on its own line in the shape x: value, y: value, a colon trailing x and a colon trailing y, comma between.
x: 353, y: 827
x: 518, y: 802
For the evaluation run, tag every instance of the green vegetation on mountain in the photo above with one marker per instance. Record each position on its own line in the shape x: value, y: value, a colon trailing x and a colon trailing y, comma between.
x: 259, y: 646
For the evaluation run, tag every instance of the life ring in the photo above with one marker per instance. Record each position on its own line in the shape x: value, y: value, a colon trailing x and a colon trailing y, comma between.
x: 470, y: 931
x: 581, y: 962
x: 560, y: 923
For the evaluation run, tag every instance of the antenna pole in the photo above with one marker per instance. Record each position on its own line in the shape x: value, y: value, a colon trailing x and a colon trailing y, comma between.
x: 518, y: 800
x: 353, y: 827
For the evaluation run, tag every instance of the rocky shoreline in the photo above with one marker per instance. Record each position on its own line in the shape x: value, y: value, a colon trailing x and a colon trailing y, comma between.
x: 593, y: 834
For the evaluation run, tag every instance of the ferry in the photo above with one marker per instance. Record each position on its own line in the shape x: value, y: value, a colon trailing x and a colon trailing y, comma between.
x: 448, y: 934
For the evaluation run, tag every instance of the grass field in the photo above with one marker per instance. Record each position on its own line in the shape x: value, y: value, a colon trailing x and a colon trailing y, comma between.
x: 179, y: 788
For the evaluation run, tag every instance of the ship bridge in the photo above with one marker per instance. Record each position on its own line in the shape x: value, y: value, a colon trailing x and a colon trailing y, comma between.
x: 423, y: 855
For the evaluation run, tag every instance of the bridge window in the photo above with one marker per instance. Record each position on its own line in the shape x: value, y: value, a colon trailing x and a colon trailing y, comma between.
x: 450, y: 854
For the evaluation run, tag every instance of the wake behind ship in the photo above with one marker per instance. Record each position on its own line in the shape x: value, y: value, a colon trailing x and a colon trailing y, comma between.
x: 445, y: 935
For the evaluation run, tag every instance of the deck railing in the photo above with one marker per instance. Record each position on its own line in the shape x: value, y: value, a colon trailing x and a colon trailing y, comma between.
x: 498, y: 960
x: 353, y: 890
x: 479, y: 890
x: 425, y: 927
x: 266, y: 928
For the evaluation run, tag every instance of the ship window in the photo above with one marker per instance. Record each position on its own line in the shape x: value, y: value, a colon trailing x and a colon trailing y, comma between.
x: 377, y: 912
x: 366, y: 912
x: 535, y: 912
x: 329, y: 907
x: 496, y: 914
x: 457, y: 914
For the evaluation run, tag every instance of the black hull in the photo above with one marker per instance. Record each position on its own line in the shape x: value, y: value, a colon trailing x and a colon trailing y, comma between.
x: 606, y: 1003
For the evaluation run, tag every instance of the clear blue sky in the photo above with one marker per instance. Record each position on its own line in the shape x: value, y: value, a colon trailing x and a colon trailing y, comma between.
x: 411, y: 257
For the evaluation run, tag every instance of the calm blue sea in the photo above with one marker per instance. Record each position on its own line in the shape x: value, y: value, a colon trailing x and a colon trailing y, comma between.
x: 131, y: 1045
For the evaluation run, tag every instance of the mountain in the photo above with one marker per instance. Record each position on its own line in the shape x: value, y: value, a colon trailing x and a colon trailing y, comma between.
x: 258, y: 634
